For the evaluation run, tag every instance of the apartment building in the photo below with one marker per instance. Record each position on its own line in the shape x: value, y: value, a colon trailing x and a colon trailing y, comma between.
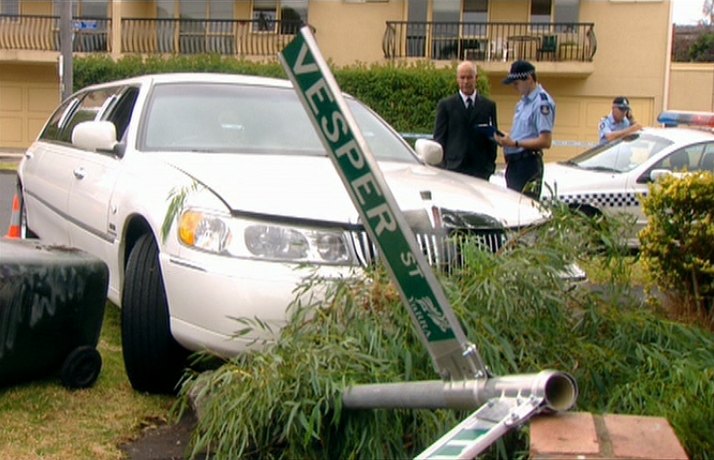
x: 585, y: 51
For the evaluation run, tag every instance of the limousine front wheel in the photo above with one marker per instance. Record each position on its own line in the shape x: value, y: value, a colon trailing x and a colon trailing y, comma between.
x: 154, y: 361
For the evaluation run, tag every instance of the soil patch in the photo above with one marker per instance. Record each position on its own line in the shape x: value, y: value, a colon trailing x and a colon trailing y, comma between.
x: 165, y: 441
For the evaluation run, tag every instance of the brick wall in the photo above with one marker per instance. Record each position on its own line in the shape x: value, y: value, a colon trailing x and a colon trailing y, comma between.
x: 582, y: 435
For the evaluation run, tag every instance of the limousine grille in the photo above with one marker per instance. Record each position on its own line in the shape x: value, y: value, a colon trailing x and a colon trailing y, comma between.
x: 442, y: 251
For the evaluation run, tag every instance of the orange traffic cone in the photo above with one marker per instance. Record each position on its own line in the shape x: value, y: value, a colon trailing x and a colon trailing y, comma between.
x: 14, y: 230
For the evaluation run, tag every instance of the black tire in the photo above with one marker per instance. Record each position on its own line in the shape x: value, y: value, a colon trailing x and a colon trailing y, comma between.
x: 153, y: 360
x: 81, y: 368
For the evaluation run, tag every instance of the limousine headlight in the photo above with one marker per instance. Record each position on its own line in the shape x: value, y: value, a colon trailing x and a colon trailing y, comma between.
x: 248, y: 238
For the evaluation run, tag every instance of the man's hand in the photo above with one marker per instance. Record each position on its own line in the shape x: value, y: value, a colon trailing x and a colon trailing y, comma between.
x: 504, y: 140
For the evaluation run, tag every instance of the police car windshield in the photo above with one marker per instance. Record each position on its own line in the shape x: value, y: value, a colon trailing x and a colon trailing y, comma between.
x: 622, y: 155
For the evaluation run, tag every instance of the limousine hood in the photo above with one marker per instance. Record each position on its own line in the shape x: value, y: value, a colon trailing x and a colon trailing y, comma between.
x: 309, y: 187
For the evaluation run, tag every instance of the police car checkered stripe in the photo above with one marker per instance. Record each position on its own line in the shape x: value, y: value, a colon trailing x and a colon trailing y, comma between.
x: 611, y: 200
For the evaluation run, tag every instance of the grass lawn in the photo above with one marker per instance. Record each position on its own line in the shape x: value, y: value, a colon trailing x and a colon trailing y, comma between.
x: 9, y: 165
x: 42, y: 419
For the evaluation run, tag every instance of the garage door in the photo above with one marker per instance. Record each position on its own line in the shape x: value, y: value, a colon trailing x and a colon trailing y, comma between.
x: 28, y: 94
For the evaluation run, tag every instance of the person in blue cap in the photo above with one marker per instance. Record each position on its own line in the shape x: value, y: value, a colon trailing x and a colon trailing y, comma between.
x: 532, y: 131
x: 619, y: 123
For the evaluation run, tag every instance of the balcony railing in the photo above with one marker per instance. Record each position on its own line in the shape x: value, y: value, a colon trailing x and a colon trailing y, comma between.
x: 490, y: 41
x: 41, y: 33
x: 190, y: 36
x: 259, y: 37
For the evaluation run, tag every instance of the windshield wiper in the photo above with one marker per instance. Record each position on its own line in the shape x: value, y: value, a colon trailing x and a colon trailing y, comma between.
x: 602, y: 169
x: 569, y: 163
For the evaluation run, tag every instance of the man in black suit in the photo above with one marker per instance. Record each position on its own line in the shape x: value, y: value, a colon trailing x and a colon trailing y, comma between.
x: 468, y: 146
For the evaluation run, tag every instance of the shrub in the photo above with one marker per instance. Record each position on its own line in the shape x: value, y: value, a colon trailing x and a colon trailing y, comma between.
x: 702, y: 50
x: 677, y: 245
x: 284, y: 401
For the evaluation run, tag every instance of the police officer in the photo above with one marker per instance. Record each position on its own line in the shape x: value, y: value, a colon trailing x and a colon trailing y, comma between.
x: 531, y: 133
x: 619, y: 123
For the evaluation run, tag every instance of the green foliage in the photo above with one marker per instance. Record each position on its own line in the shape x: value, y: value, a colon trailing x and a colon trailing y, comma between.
x: 98, y: 69
x: 284, y: 401
x: 702, y: 50
x: 405, y: 95
x: 678, y: 241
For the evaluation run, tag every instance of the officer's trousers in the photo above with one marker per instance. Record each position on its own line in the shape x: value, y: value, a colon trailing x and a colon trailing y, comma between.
x: 525, y: 174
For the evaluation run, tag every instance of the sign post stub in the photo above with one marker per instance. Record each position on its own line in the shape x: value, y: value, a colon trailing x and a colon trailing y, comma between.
x: 453, y: 356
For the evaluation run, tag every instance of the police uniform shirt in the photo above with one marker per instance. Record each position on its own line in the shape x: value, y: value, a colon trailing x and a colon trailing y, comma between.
x: 535, y: 114
x: 609, y: 125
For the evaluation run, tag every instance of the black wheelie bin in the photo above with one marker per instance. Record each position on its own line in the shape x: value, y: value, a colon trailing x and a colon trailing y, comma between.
x: 52, y: 301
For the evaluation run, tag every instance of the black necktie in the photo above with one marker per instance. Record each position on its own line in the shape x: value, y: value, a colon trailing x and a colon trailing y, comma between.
x: 469, y: 103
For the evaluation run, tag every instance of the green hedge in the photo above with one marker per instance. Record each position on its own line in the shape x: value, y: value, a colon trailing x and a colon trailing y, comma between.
x: 404, y: 95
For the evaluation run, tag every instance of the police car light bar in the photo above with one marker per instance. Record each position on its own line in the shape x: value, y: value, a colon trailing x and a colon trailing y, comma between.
x: 672, y: 118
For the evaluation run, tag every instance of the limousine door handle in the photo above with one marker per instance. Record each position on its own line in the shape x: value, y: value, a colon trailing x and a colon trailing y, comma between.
x: 79, y: 173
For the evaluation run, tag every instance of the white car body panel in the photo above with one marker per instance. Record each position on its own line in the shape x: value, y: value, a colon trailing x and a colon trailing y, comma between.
x: 611, y: 193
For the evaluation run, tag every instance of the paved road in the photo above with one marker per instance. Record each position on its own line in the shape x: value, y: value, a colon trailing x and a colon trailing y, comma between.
x: 7, y: 191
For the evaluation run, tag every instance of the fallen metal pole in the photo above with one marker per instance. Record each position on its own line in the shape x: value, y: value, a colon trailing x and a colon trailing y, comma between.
x: 558, y: 390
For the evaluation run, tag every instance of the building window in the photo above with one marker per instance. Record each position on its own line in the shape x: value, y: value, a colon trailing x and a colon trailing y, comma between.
x: 212, y: 9
x: 85, y: 8
x: 446, y: 11
x: 293, y: 15
x: 567, y: 13
x: 290, y: 13
x: 446, y: 15
x: 475, y: 11
x: 94, y: 9
x: 265, y: 13
x: 10, y: 7
x: 416, y: 27
x: 294, y: 9
x: 205, y: 27
x: 540, y: 11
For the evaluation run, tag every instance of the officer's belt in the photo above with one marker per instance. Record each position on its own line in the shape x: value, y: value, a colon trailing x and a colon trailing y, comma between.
x: 523, y: 154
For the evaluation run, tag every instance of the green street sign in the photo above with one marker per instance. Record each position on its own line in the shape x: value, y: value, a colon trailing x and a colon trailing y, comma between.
x: 453, y: 355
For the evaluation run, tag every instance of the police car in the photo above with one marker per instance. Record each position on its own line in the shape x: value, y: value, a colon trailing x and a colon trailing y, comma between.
x: 610, y: 179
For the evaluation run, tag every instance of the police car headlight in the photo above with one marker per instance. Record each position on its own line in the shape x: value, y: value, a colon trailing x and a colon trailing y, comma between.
x: 247, y: 238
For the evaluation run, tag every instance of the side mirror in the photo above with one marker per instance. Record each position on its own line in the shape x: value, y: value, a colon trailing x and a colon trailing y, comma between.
x: 430, y: 152
x: 95, y: 136
x: 657, y: 173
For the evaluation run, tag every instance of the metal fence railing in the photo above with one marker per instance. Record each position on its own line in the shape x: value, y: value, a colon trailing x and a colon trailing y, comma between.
x: 490, y: 41
x: 41, y: 33
x: 258, y: 37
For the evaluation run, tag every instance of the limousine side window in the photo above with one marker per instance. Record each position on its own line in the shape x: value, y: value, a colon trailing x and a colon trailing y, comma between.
x: 85, y: 107
x: 120, y: 112
x: 57, y: 120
